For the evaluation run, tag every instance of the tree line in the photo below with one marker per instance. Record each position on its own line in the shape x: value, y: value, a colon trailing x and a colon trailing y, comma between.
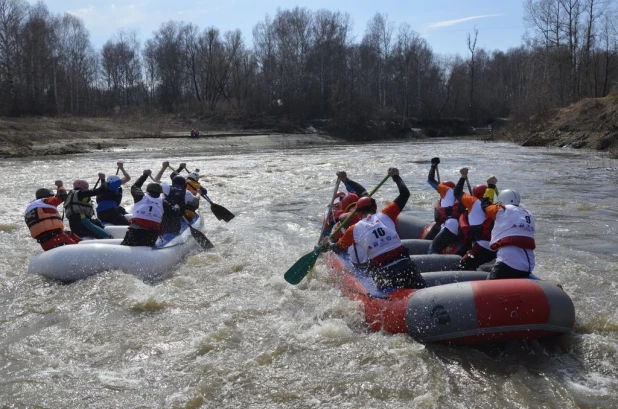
x: 306, y: 65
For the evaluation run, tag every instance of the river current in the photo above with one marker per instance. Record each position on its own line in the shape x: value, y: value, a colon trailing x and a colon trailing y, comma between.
x: 227, y: 331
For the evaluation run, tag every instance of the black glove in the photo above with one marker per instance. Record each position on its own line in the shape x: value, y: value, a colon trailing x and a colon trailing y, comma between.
x: 203, y: 190
x: 435, y: 161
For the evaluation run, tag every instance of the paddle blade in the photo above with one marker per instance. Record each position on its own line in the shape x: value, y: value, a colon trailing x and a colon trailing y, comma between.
x: 221, y: 213
x: 201, y: 239
x: 299, y: 270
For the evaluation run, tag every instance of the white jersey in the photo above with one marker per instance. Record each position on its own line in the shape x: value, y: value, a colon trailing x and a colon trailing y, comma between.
x: 476, y: 217
x: 376, y: 234
x: 449, y: 198
x: 514, y: 221
x: 39, y: 203
x: 149, y: 208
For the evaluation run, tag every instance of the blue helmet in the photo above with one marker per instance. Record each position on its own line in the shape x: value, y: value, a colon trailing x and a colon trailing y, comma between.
x: 113, y: 183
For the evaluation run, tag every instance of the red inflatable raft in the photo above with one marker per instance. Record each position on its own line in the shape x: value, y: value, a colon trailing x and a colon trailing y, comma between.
x: 458, y: 307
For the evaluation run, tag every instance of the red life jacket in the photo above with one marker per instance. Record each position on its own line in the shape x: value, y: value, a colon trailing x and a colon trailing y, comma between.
x: 146, y: 224
x: 443, y: 213
x: 523, y: 242
x: 471, y: 234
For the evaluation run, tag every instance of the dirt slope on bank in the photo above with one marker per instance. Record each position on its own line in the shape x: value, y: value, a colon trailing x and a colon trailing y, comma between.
x: 590, y: 123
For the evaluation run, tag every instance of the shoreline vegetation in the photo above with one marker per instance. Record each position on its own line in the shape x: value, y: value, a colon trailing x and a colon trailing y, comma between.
x: 588, y: 124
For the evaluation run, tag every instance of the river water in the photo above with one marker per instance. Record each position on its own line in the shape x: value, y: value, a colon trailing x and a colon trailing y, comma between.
x: 226, y: 331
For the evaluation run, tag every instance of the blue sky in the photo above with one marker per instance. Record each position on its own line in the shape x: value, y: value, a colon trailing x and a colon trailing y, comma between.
x: 445, y: 24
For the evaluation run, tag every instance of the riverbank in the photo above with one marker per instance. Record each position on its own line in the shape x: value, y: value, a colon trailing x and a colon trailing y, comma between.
x: 33, y: 137
x: 591, y: 123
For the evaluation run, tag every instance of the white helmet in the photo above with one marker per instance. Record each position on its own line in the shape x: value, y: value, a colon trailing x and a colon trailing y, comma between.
x: 509, y: 196
x: 193, y: 176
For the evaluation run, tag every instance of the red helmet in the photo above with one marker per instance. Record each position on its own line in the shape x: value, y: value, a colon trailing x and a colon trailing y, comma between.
x: 479, y: 191
x: 337, y: 200
x: 366, y: 203
x: 449, y: 183
x: 348, y: 201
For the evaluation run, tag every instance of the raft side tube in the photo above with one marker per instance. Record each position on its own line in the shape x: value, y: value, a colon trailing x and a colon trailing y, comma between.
x: 489, y: 311
x: 436, y: 262
x: 416, y: 246
x: 410, y: 227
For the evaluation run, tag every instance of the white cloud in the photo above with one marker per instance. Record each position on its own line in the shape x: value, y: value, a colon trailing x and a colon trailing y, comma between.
x: 448, y: 23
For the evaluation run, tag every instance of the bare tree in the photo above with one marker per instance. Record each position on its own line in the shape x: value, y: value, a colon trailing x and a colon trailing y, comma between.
x: 12, y: 15
x: 472, y: 67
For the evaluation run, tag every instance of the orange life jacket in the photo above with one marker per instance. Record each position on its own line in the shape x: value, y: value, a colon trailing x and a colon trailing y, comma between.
x: 43, y: 218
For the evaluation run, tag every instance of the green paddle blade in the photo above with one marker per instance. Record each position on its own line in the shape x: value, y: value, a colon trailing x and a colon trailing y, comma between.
x: 299, y: 270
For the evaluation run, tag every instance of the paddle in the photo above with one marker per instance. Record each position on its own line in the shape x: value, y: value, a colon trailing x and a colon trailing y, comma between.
x: 329, y: 212
x: 220, y: 212
x: 299, y: 270
x: 200, y: 237
x: 468, y: 182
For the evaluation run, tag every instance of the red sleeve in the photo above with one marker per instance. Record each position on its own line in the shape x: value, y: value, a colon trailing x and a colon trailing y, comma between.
x: 348, y: 238
x: 392, y: 211
x: 54, y: 201
x: 468, y: 200
x: 491, y: 211
x: 442, y: 189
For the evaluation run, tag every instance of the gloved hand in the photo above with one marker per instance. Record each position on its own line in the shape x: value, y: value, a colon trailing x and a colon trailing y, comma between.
x: 435, y: 161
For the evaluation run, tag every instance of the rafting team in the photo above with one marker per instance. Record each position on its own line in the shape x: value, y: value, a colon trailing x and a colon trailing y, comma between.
x: 159, y: 211
x: 501, y: 231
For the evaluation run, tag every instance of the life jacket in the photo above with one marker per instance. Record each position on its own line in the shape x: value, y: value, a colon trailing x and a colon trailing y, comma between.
x: 474, y: 225
x: 148, y: 213
x: 110, y: 199
x: 72, y: 205
x: 193, y: 205
x: 42, y: 217
x: 193, y: 187
x: 514, y: 226
x: 377, y: 235
x: 443, y: 213
x: 353, y: 220
x: 170, y: 222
